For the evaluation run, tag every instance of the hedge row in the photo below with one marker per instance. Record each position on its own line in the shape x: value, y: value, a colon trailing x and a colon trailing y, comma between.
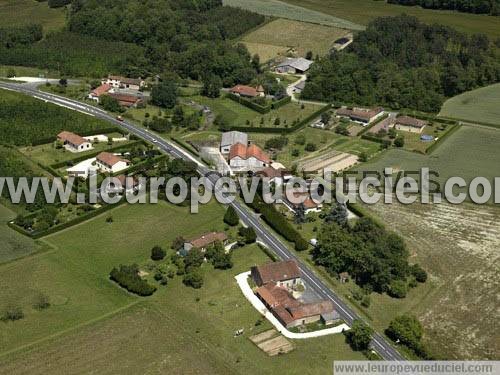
x: 93, y: 154
x: 368, y: 127
x: 248, y: 103
x: 57, y: 228
x: 280, y: 103
x: 186, y: 146
x: 489, y: 124
x: 436, y: 144
x: 138, y: 166
x: 426, y: 117
x: 128, y: 277
x: 372, y: 138
x: 299, y: 125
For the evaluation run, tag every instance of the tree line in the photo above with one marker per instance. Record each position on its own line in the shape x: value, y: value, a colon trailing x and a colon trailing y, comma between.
x: 468, y: 6
x: 400, y: 62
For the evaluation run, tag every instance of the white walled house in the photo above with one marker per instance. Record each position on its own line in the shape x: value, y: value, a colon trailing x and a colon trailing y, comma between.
x: 231, y: 138
x: 110, y: 163
x: 73, y: 142
x: 123, y: 82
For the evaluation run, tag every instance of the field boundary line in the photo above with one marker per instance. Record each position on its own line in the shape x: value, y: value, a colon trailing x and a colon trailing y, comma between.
x: 70, y: 329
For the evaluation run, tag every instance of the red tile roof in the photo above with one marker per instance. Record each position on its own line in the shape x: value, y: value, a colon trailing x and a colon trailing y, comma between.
x: 278, y: 271
x: 101, y: 90
x: 359, y: 113
x: 310, y: 309
x: 208, y: 239
x: 411, y: 121
x: 110, y: 159
x: 126, y: 100
x: 244, y: 90
x: 244, y: 152
x: 72, y: 138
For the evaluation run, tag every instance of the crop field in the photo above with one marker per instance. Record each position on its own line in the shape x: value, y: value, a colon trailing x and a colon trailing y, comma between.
x: 481, y: 105
x: 363, y: 11
x: 469, y: 152
x: 22, y: 12
x: 281, y: 9
x: 92, y: 324
x: 458, y: 246
x: 237, y: 114
x: 13, y: 244
x: 277, y: 37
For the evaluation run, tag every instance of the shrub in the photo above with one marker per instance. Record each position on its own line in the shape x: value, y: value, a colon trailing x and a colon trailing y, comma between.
x: 399, y: 142
x: 128, y: 277
x: 13, y: 313
x: 231, y: 217
x: 41, y: 302
x: 157, y: 253
x: 398, y: 289
x: 248, y: 234
x: 310, y: 147
x: 359, y: 336
x: 193, y: 279
x: 419, y: 273
x: 301, y: 244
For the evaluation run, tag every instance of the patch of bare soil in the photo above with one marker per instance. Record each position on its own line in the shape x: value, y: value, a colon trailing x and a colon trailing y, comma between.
x: 459, y: 246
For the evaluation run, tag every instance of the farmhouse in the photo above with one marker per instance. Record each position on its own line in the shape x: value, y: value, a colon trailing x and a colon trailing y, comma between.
x: 99, y: 91
x: 243, y: 158
x: 363, y: 116
x: 231, y: 138
x: 275, y: 282
x: 123, y: 82
x: 129, y: 101
x: 73, y: 142
x: 110, y: 163
x: 410, y: 124
x: 294, y: 65
x: 247, y: 91
x: 286, y: 273
x: 203, y: 242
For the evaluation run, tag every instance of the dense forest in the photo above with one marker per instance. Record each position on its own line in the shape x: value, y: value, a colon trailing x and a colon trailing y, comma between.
x: 400, y: 62
x: 191, y: 38
x: 468, y: 6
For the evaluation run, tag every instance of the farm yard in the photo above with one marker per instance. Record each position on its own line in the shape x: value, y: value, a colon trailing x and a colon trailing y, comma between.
x: 90, y: 317
x: 281, y: 36
x: 480, y: 105
x: 281, y: 9
x: 363, y: 11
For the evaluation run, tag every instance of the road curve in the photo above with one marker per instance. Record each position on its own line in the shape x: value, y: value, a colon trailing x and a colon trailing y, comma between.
x: 379, y: 343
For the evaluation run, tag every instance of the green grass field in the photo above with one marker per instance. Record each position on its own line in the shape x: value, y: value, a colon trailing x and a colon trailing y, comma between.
x: 22, y: 12
x: 481, y: 105
x: 281, y: 9
x: 93, y: 325
x: 363, y: 11
x: 13, y: 244
x: 277, y: 37
x: 238, y: 115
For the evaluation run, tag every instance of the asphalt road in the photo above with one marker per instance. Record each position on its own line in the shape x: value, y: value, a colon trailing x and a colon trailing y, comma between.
x: 379, y: 343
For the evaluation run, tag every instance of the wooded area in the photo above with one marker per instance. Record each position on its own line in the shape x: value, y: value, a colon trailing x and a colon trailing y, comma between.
x: 468, y: 6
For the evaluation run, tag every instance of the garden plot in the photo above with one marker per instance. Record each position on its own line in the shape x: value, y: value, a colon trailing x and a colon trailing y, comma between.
x: 333, y: 161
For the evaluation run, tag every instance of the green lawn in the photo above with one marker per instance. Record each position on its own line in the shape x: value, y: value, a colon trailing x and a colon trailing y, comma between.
x: 47, y: 154
x: 236, y: 114
x: 481, y: 105
x: 22, y: 12
x: 363, y: 11
x: 91, y: 317
x: 13, y: 244
x: 24, y: 71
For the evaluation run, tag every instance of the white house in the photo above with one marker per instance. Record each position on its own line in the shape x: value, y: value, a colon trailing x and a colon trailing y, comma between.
x: 243, y: 158
x: 128, y: 185
x: 110, y: 163
x: 123, y: 82
x: 364, y: 116
x: 410, y: 124
x: 231, y: 138
x: 73, y: 142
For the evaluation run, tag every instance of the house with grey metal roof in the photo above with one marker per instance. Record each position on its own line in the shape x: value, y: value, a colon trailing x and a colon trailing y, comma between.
x: 294, y: 65
x: 231, y: 138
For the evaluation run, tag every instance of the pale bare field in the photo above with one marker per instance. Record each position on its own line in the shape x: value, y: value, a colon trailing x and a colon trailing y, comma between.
x: 459, y: 247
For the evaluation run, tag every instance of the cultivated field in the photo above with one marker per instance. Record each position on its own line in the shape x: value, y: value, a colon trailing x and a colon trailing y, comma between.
x: 458, y: 246
x: 22, y: 12
x: 363, y: 11
x: 281, y: 9
x: 277, y: 37
x: 481, y: 105
x: 469, y: 152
